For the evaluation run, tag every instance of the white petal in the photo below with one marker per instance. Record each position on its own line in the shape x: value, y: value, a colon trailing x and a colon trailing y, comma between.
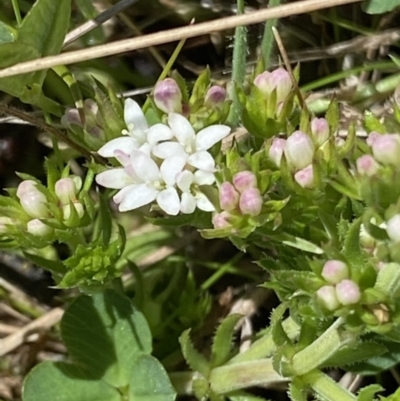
x: 119, y: 196
x: 184, y: 180
x: 203, y: 203
x: 115, y: 178
x: 126, y: 144
x: 209, y: 136
x: 122, y: 157
x: 146, y: 149
x: 202, y: 160
x: 168, y: 149
x: 135, y: 120
x: 188, y: 203
x: 202, y: 177
x: 181, y: 128
x: 135, y: 196
x: 171, y: 167
x: 158, y: 133
x: 144, y: 167
x: 168, y: 200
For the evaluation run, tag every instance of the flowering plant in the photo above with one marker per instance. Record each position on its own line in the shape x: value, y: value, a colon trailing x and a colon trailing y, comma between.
x: 311, y: 208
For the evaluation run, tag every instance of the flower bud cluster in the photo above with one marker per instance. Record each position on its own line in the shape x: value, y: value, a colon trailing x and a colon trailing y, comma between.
x: 340, y: 290
x: 241, y: 197
x: 36, y: 204
x: 299, y: 152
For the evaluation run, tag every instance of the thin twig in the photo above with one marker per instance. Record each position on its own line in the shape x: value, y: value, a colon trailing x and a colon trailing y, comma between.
x: 52, y: 130
x: 171, y: 35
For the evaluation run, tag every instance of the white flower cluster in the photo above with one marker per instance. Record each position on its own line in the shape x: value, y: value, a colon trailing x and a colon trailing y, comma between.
x: 162, y: 163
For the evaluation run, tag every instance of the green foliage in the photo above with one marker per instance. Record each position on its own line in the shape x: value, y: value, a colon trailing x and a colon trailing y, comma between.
x: 379, y: 7
x: 110, y: 343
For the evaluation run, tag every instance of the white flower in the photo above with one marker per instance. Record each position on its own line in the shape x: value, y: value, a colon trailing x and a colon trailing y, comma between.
x: 188, y: 143
x: 137, y: 136
x: 186, y: 182
x: 142, y: 182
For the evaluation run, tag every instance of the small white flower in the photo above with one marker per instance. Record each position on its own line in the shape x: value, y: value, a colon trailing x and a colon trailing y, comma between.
x: 142, y: 182
x: 193, y: 146
x: 192, y: 198
x: 138, y: 136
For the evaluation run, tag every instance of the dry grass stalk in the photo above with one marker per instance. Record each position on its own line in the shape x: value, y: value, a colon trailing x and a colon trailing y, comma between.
x: 171, y: 35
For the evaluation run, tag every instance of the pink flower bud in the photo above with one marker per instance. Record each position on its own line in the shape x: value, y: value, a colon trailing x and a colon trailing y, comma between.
x: 299, y: 150
x: 348, y: 292
x: 228, y: 196
x: 334, y: 271
x: 393, y: 228
x: 251, y: 202
x: 305, y: 177
x: 168, y: 96
x: 36, y: 227
x: 32, y: 200
x: 386, y: 148
x: 219, y: 220
x: 319, y: 130
x: 372, y: 137
x: 366, y: 165
x: 278, y: 79
x: 215, y: 97
x: 276, y: 150
x: 244, y: 180
x: 78, y: 207
x: 65, y: 190
x: 327, y: 296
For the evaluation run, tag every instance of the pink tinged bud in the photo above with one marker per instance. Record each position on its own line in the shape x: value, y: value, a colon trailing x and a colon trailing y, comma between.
x: 244, y: 180
x: 319, y: 130
x: 78, y: 207
x: 32, y: 200
x: 386, y: 149
x: 71, y: 117
x: 327, y: 296
x: 299, y: 150
x: 65, y: 190
x: 334, y: 271
x: 251, y: 202
x: 372, y: 137
x: 366, y: 165
x: 228, y: 196
x: 278, y: 79
x: 276, y: 151
x: 168, y: 96
x: 220, y: 221
x: 215, y: 97
x: 348, y: 292
x: 39, y: 229
x: 393, y: 228
x: 305, y: 177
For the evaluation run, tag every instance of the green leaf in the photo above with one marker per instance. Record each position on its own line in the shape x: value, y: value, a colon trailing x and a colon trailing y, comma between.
x: 222, y: 343
x: 351, y: 247
x: 149, y: 381
x: 7, y: 34
x: 379, y: 6
x: 368, y: 393
x: 51, y: 265
x: 298, y: 243
x: 65, y: 382
x: 105, y: 333
x: 297, y: 391
x: 194, y: 359
x: 356, y: 353
x: 372, y: 123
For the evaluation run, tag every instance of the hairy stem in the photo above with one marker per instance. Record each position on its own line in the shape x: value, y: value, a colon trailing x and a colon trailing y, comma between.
x: 268, y: 37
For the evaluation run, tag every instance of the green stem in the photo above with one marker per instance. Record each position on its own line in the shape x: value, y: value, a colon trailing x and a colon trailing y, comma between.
x: 238, y: 68
x: 264, y: 347
x: 320, y: 350
x: 17, y: 12
x: 268, y: 37
x: 327, y: 388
